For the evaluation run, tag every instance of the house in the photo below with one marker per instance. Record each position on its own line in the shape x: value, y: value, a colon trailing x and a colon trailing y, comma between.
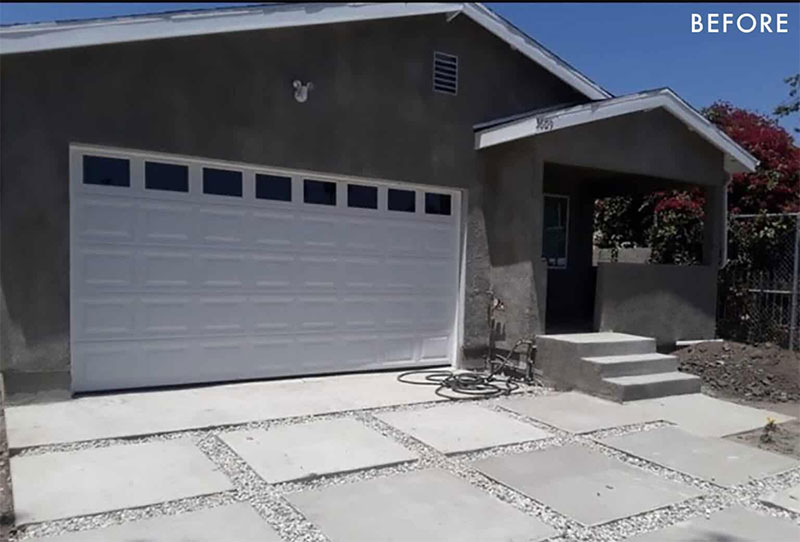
x: 297, y: 189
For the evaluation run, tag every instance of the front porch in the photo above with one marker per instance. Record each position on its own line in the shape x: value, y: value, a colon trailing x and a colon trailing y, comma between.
x: 667, y: 302
x: 543, y: 173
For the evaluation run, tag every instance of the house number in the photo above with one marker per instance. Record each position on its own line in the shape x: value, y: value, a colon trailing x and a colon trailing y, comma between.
x: 544, y: 124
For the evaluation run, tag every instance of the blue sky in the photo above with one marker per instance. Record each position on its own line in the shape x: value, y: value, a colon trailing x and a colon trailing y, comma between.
x: 623, y: 47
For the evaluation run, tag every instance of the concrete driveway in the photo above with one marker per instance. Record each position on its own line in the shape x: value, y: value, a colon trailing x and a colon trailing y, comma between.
x: 365, y: 458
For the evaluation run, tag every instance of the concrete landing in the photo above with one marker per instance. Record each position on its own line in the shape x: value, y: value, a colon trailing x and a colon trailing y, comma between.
x: 60, y: 485
x: 616, y: 366
x: 719, y: 461
x: 577, y: 412
x: 462, y: 427
x: 735, y: 524
x: 584, y: 485
x: 429, y: 505
x: 143, y: 413
x: 707, y: 416
x: 308, y: 450
x: 236, y: 522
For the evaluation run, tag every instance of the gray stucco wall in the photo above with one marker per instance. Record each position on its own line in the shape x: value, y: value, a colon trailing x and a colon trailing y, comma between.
x: 668, y: 302
x: 652, y: 143
x: 372, y: 113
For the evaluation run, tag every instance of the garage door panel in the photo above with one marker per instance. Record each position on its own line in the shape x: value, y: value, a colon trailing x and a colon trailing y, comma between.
x: 361, y: 313
x: 167, y: 315
x: 222, y: 314
x: 272, y: 228
x: 400, y: 348
x: 401, y: 313
x: 168, y: 222
x: 319, y: 232
x: 318, y: 312
x: 363, y: 235
x: 180, y: 287
x: 107, y: 220
x: 272, y: 271
x: 273, y: 313
x: 405, y: 274
x: 435, y: 348
x: 319, y: 272
x: 361, y: 350
x: 221, y: 270
x: 223, y: 226
x: 105, y: 267
x: 166, y: 268
x: 404, y: 238
x: 363, y: 273
x: 107, y: 317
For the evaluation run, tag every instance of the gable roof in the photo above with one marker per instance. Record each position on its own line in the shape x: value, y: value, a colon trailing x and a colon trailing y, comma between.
x: 542, y: 121
x: 24, y: 38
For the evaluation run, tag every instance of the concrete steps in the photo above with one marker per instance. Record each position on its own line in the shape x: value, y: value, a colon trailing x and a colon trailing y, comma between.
x: 617, y: 366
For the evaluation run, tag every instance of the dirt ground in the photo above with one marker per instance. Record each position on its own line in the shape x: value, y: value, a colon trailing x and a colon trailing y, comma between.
x: 753, y: 373
x: 762, y: 376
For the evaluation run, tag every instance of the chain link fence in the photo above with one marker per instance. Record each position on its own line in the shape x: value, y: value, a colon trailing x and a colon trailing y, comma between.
x: 759, y: 287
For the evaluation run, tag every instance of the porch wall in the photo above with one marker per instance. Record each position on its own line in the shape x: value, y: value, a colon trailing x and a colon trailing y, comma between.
x: 668, y: 302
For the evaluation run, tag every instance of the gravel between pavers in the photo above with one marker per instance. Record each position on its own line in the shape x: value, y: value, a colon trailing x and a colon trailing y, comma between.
x: 268, y: 499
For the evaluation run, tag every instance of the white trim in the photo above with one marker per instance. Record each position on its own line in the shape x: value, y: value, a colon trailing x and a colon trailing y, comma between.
x: 546, y: 195
x: 47, y: 36
x: 737, y: 159
x: 523, y: 43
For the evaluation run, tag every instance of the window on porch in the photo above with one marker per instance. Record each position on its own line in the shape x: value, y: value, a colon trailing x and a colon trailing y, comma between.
x: 556, y: 219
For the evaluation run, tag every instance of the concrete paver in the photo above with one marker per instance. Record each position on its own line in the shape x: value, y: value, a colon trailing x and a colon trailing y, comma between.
x: 143, y: 413
x: 706, y: 416
x: 416, y: 506
x: 60, y: 485
x: 462, y: 427
x: 788, y: 499
x: 577, y: 412
x: 584, y: 485
x: 291, y: 452
x: 236, y: 522
x: 735, y: 524
x: 716, y: 460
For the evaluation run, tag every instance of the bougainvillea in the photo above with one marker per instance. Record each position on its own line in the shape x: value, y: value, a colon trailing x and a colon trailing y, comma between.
x: 672, y: 220
x: 775, y: 185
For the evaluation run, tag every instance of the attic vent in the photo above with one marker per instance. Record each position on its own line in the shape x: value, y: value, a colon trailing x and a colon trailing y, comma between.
x: 445, y: 73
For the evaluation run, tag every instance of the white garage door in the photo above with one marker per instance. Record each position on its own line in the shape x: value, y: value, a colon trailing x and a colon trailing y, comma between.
x: 187, y: 270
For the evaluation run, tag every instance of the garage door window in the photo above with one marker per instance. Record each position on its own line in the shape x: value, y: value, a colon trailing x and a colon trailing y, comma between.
x: 319, y: 192
x: 172, y: 177
x: 437, y: 204
x: 402, y: 200
x: 222, y: 182
x: 364, y: 197
x: 106, y: 171
x: 273, y: 187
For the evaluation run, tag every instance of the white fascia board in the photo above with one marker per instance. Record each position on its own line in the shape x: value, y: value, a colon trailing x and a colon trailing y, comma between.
x: 528, y: 47
x: 737, y: 160
x: 47, y: 36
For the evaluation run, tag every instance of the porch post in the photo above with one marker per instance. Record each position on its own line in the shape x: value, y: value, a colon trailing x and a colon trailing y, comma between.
x: 715, y: 225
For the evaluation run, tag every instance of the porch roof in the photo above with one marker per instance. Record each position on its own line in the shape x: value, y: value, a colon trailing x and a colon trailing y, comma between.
x: 542, y: 121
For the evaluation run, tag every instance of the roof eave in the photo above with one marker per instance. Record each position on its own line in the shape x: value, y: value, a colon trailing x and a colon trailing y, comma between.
x: 737, y: 159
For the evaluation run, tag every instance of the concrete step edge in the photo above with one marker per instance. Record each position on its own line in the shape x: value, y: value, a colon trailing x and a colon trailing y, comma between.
x: 653, y: 378
x: 625, y: 358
